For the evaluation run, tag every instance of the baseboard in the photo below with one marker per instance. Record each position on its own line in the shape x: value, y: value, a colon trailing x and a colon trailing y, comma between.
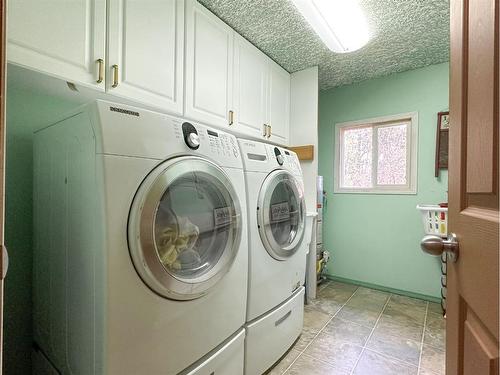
x: 385, y: 289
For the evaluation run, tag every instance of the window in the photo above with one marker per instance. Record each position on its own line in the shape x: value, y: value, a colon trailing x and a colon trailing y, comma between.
x: 377, y: 155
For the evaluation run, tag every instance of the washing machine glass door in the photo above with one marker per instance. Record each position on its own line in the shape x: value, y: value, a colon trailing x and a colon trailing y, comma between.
x: 281, y: 214
x: 184, y: 227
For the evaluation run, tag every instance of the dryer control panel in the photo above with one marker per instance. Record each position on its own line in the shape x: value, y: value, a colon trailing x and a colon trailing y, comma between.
x: 285, y: 159
x: 264, y: 157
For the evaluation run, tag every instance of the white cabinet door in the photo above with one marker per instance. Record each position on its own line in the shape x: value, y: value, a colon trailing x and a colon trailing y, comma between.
x: 61, y: 38
x: 279, y: 103
x: 251, y: 75
x: 146, y: 48
x: 209, y: 64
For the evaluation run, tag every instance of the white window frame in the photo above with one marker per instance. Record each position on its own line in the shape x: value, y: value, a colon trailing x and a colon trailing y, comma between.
x: 411, y: 119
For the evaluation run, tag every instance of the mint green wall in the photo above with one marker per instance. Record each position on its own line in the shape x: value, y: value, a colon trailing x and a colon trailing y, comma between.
x: 375, y: 238
x: 26, y: 111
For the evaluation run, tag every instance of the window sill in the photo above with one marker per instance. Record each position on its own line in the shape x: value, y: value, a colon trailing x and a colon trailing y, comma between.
x: 375, y: 192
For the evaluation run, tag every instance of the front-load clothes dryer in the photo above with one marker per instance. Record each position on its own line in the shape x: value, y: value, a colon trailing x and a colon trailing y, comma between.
x: 277, y: 252
x: 140, y: 263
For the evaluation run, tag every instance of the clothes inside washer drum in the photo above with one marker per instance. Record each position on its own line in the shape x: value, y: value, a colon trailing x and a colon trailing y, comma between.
x: 176, y: 242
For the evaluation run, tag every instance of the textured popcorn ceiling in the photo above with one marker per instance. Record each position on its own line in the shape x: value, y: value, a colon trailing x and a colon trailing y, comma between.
x: 406, y: 34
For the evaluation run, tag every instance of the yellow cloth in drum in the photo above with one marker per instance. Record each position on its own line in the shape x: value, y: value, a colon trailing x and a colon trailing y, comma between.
x: 176, y: 239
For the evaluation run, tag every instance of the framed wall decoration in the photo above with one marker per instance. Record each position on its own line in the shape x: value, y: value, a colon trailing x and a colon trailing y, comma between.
x: 443, y: 126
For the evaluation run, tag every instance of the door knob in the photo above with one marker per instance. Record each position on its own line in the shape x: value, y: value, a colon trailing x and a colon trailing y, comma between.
x: 5, y: 261
x: 435, y: 245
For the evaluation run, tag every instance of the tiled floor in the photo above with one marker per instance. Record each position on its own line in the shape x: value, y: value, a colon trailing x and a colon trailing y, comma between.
x: 352, y: 330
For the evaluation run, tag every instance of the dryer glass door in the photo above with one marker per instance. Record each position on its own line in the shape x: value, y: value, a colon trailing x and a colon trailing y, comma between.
x: 184, y: 227
x: 281, y: 214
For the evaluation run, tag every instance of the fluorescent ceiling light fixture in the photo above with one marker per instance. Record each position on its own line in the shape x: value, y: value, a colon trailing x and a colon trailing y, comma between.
x: 340, y: 24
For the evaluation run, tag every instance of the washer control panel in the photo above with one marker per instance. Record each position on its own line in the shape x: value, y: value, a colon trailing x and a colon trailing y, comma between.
x: 222, y: 144
x: 208, y: 141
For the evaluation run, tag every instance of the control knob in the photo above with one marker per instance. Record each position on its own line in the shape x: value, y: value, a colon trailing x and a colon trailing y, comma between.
x: 193, y: 141
x: 280, y: 159
x: 191, y: 136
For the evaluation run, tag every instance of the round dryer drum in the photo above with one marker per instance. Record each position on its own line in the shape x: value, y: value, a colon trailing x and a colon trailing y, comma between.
x: 281, y: 214
x: 184, y: 227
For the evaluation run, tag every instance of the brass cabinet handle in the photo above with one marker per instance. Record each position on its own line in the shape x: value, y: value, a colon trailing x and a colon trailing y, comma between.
x: 100, y: 70
x: 269, y: 131
x: 264, y: 130
x: 115, y: 75
x: 231, y: 118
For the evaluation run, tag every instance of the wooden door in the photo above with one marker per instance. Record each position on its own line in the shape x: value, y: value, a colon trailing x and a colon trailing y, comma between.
x: 250, y: 88
x: 146, y: 46
x: 209, y: 66
x: 472, y: 326
x: 279, y: 103
x: 62, y: 38
x: 2, y: 165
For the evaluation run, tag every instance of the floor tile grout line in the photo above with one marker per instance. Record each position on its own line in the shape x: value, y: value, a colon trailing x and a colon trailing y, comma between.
x: 392, y: 358
x: 345, y: 320
x: 439, y: 348
x: 370, y: 335
x: 421, y: 326
x: 321, y: 330
x: 423, y: 337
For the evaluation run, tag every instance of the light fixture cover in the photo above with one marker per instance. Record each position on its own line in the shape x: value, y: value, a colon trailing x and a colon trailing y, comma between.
x: 340, y: 24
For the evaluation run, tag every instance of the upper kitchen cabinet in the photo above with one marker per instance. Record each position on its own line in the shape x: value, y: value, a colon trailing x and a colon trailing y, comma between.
x: 62, y: 38
x: 174, y: 56
x: 251, y: 75
x: 279, y: 104
x: 209, y: 65
x: 145, y: 52
x: 261, y: 94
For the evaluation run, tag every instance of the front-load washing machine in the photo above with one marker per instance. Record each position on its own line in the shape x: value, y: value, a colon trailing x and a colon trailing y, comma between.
x: 140, y: 263
x: 277, y: 252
